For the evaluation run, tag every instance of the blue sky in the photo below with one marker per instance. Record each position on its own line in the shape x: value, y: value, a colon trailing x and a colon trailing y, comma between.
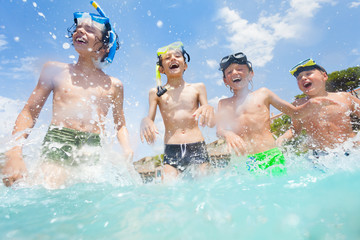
x: 275, y: 35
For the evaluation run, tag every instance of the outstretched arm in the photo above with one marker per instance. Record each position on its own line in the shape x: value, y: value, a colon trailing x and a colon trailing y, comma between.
x: 120, y: 123
x: 15, y: 167
x: 281, y: 104
x: 205, y: 113
x: 148, y: 129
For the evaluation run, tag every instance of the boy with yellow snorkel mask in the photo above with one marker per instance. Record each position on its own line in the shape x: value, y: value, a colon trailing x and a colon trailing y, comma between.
x: 183, y: 106
x: 329, y: 125
x: 82, y: 97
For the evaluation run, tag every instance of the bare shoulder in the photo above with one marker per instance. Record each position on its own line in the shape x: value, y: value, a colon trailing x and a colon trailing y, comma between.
x: 225, y: 101
x: 115, y: 81
x: 152, y: 92
x: 153, y: 95
x: 346, y: 95
x: 54, y: 64
x: 263, y: 91
x: 199, y: 86
x: 50, y: 71
x: 54, y: 68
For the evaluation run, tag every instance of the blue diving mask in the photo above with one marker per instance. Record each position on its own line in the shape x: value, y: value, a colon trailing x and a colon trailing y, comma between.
x: 103, y: 24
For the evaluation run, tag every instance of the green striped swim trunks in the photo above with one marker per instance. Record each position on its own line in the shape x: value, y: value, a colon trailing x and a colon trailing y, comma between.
x: 70, y: 147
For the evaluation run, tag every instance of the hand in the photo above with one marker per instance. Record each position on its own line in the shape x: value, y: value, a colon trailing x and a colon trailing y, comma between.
x: 14, y: 168
x: 205, y: 115
x: 280, y: 141
x: 235, y: 142
x: 148, y: 130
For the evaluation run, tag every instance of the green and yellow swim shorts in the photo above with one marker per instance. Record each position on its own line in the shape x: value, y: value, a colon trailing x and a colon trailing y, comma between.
x: 70, y: 147
x: 269, y: 162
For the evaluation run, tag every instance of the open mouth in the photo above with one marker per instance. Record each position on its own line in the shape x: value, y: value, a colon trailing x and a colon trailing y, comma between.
x: 80, y: 40
x: 307, y: 84
x: 174, y: 65
x: 236, y: 80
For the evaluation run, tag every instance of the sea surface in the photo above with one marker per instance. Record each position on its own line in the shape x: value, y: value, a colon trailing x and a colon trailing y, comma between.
x: 313, y: 201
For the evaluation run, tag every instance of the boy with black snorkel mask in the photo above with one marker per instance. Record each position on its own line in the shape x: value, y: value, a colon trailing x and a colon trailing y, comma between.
x: 183, y: 106
x: 329, y: 125
x: 82, y: 97
x: 244, y: 118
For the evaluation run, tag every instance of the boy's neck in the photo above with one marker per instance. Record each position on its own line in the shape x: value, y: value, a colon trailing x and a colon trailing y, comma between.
x: 175, y: 82
x: 320, y: 94
x: 240, y: 93
x: 86, y: 64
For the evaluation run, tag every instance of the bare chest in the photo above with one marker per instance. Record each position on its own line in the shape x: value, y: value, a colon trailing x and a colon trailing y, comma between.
x: 82, y: 92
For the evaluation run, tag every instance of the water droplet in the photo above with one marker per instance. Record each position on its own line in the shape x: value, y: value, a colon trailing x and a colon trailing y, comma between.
x: 159, y: 24
x: 66, y: 45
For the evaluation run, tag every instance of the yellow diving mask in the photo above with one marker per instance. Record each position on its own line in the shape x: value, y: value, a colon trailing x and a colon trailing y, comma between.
x: 307, y: 64
x: 163, y: 50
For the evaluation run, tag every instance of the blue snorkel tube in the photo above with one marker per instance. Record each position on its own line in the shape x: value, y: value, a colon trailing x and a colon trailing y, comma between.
x: 112, y: 35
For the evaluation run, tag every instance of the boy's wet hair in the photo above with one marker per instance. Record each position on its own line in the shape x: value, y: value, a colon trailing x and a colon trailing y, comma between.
x: 105, y: 37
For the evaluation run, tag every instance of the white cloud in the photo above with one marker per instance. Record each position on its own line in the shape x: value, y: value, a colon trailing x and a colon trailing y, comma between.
x: 205, y: 44
x: 3, y: 42
x: 27, y: 64
x: 22, y: 68
x: 355, y: 51
x: 354, y: 4
x: 212, y: 63
x: 259, y: 39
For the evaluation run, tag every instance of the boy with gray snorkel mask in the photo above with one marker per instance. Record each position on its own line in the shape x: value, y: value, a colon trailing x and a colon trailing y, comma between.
x: 244, y: 118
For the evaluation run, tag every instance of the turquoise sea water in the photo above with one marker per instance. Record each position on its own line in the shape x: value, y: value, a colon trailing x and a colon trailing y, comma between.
x: 308, y: 203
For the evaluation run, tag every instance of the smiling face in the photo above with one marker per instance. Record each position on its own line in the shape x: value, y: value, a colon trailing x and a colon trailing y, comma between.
x: 237, y: 76
x: 87, y: 37
x: 312, y: 82
x: 173, y: 63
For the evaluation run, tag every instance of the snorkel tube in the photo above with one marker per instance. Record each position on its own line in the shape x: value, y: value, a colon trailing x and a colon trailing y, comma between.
x: 112, y: 36
x: 160, y: 90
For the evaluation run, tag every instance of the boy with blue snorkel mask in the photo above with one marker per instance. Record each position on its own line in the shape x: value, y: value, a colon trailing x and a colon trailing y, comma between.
x: 183, y: 106
x: 82, y: 97
x: 244, y: 118
x: 329, y: 125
